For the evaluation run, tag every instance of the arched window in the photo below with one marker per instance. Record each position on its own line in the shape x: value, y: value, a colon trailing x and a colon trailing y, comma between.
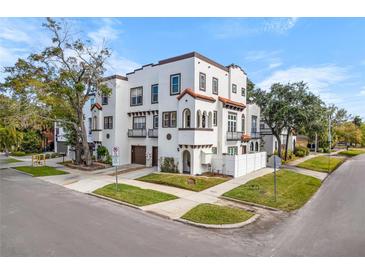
x: 243, y: 121
x: 204, y: 120
x: 251, y: 146
x: 210, y: 117
x: 95, y: 122
x: 257, y: 146
x: 198, y: 117
x: 186, y: 118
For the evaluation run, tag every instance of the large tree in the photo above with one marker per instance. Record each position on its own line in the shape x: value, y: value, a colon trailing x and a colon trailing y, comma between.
x: 62, y: 77
x: 349, y: 133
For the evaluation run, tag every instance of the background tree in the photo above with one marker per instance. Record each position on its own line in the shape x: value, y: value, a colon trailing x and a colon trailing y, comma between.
x: 349, y: 133
x: 357, y: 121
x: 62, y: 77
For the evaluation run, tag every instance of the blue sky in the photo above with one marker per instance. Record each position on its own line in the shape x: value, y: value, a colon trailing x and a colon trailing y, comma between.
x: 328, y: 53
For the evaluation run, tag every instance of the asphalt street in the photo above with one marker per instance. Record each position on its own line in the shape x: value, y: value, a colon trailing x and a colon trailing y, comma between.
x: 43, y: 219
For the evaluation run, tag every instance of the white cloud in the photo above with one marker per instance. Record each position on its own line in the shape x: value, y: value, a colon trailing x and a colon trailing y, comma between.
x: 362, y: 91
x: 256, y: 55
x: 117, y: 64
x: 107, y: 32
x: 275, y: 65
x: 280, y: 25
x: 318, y: 78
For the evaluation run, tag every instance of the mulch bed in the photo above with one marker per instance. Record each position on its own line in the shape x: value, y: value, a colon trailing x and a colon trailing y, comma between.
x: 94, y: 166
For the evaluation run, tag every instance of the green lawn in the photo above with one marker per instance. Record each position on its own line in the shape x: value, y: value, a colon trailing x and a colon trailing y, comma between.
x: 293, y: 190
x: 134, y: 195
x: 322, y: 164
x: 41, y: 170
x: 215, y: 214
x: 11, y: 160
x: 194, y: 183
x: 352, y: 152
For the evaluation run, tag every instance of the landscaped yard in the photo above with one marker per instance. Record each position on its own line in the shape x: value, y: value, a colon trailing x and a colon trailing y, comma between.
x: 11, y: 160
x: 293, y: 190
x: 194, y: 183
x: 216, y: 214
x: 41, y: 170
x: 352, y: 152
x: 134, y: 195
x: 322, y: 164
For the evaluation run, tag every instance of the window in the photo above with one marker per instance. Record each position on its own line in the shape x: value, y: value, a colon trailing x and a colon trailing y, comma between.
x: 169, y: 119
x: 155, y: 121
x: 215, y: 85
x: 186, y: 118
x: 254, y: 124
x: 198, y: 118
x: 139, y: 122
x: 232, y: 150
x: 243, y: 123
x: 204, y: 120
x: 243, y: 92
x: 262, y: 125
x: 251, y: 146
x: 154, y: 94
x: 234, y: 88
x: 92, y: 101
x: 175, y: 84
x: 215, y: 118
x: 136, y: 96
x: 232, y: 122
x: 257, y: 146
x: 210, y: 119
x: 108, y: 122
x: 214, y: 150
x: 95, y: 123
x: 202, y: 81
x: 104, y: 99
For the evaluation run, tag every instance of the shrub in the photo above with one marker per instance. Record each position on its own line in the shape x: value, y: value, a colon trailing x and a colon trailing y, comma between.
x: 108, y: 160
x: 301, y: 151
x: 168, y: 165
x: 32, y: 142
x: 18, y: 153
x: 326, y: 150
x: 48, y: 156
x: 320, y: 150
x: 102, y: 152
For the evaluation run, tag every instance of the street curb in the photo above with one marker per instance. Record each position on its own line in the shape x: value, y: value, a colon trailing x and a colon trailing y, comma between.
x: 23, y: 172
x: 225, y: 226
x: 249, y: 203
x: 112, y: 200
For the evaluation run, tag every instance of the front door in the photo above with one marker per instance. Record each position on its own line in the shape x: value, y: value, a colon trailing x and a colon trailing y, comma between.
x: 244, y: 149
x: 186, y: 162
x: 154, y: 156
x: 138, y: 155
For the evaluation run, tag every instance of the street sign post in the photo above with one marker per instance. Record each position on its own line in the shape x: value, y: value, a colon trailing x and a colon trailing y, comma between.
x: 275, y: 161
x: 115, y: 162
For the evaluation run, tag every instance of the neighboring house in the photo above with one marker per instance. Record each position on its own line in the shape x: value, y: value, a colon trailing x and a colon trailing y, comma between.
x: 189, y: 108
x: 60, y: 141
x: 270, y: 142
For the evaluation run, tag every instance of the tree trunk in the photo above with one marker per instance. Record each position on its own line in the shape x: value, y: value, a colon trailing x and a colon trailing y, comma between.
x: 83, y: 137
x: 279, y: 144
x: 287, y: 144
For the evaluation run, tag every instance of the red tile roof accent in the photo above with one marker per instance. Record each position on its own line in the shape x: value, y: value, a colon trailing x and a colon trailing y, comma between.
x: 97, y: 105
x: 195, y: 95
x: 230, y: 102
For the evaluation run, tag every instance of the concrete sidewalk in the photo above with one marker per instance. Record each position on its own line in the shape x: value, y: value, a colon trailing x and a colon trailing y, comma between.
x: 308, y: 172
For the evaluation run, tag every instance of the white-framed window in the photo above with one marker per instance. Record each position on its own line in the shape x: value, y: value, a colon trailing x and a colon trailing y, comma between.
x: 108, y: 122
x: 169, y: 119
x: 232, y: 122
x: 92, y: 101
x: 154, y: 94
x: 253, y: 124
x: 136, y: 96
x: 104, y: 99
x: 89, y: 124
x: 215, y: 118
x: 139, y: 122
x: 204, y: 120
x: 234, y: 88
x: 243, y: 92
x: 175, y: 83
x: 215, y: 85
x: 232, y: 150
x: 214, y: 150
x: 155, y: 121
x: 243, y: 121
x: 186, y: 118
x: 202, y: 81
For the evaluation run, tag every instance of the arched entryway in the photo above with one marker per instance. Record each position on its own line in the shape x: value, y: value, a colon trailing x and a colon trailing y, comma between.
x: 186, y: 162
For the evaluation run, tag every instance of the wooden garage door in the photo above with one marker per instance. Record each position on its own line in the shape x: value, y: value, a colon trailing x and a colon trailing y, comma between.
x: 139, y: 155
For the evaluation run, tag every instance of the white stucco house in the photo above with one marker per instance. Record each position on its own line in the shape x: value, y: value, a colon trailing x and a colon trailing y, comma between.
x: 188, y: 108
x: 270, y: 142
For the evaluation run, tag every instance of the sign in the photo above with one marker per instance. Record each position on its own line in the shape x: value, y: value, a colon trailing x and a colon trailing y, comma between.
x: 115, y: 151
x: 274, y: 161
x: 115, y: 160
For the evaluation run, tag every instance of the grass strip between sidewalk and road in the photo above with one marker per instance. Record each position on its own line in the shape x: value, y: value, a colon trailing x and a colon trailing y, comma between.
x: 216, y: 214
x: 134, y: 195
x: 322, y: 164
x: 11, y: 160
x: 352, y: 152
x: 293, y: 190
x: 194, y: 183
x: 39, y: 171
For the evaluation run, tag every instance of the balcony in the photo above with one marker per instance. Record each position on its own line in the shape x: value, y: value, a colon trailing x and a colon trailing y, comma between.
x: 153, y: 133
x: 234, y: 135
x: 138, y: 132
